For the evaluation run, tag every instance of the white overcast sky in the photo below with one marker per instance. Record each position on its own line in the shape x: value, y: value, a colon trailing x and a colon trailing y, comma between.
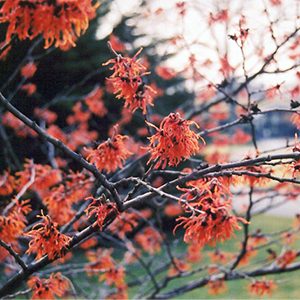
x: 198, y: 34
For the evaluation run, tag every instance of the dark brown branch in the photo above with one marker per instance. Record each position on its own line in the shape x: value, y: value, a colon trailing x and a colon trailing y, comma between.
x: 215, y: 168
x: 12, y: 252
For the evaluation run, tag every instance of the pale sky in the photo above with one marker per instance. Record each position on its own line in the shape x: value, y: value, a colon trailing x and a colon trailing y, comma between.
x: 203, y: 40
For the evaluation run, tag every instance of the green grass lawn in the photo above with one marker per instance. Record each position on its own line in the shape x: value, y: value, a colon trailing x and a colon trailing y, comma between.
x: 288, y: 284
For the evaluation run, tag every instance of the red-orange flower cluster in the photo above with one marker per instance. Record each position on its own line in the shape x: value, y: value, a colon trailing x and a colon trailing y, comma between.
x: 173, y: 142
x: 216, y: 287
x: 95, y: 103
x: 109, y: 155
x: 100, y: 208
x: 20, y: 129
x: 28, y: 70
x: 178, y: 266
x: 61, y: 197
x: 55, y: 285
x: 102, y: 261
x: 262, y: 287
x: 7, y: 184
x: 47, y: 240
x: 12, y: 225
x: 286, y: 258
x: 127, y: 82
x: 211, y: 218
x: 149, y: 239
x: 60, y: 22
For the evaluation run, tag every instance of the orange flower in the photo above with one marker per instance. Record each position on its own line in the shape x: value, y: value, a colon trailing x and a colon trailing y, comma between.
x: 295, y: 118
x: 114, y: 276
x: 211, y: 218
x: 29, y: 88
x: 173, y: 142
x: 60, y: 22
x: 20, y: 129
x: 252, y: 180
x: 124, y: 224
x: 45, y: 114
x: 7, y: 184
x: 127, y: 82
x: 79, y: 115
x: 5, y: 48
x: 262, y: 287
x: 81, y: 136
x: 100, y: 261
x: 95, y: 103
x: 173, y: 210
x: 55, y: 285
x: 250, y: 253
x: 219, y: 256
x: 240, y: 137
x: 12, y: 225
x: 257, y: 238
x: 286, y: 258
x: 60, y: 199
x: 45, y: 177
x: 216, y: 287
x: 100, y: 208
x: 116, y: 43
x: 178, y: 267
x: 109, y: 155
x: 28, y: 70
x: 47, y: 240
x: 91, y: 242
x: 58, y: 205
x: 165, y: 72
x: 193, y: 253
x: 149, y: 239
x: 57, y: 133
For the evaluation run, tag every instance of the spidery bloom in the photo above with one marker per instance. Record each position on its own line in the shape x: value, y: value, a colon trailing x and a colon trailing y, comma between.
x: 109, y: 155
x: 124, y: 224
x: 194, y: 253
x: 295, y: 118
x: 178, y: 266
x: 219, y: 257
x: 29, y: 88
x: 47, y: 240
x: 127, y: 82
x: 150, y: 240
x: 55, y: 285
x: 262, y: 287
x: 60, y: 22
x: 209, y: 205
x: 100, y: 208
x: 60, y: 200
x: 99, y: 261
x: 20, y: 129
x: 286, y: 258
x: 173, y: 142
x: 13, y: 224
x: 95, y: 103
x: 28, y: 70
x: 102, y: 261
x: 216, y: 287
x: 7, y: 184
x: 45, y: 177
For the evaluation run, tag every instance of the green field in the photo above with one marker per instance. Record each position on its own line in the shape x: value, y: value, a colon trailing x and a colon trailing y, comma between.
x: 288, y: 284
